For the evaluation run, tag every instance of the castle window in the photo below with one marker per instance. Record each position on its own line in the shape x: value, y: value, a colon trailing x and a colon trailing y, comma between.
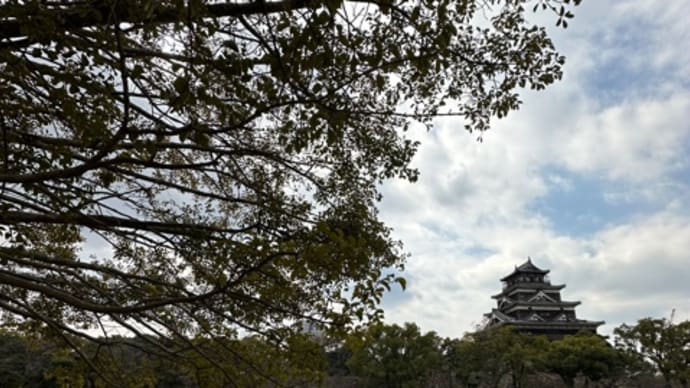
x: 535, y: 317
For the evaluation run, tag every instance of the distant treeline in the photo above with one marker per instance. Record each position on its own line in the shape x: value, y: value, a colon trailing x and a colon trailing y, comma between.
x: 653, y: 351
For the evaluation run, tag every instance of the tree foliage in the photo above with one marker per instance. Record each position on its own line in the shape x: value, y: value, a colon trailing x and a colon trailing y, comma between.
x: 659, y: 341
x: 131, y: 362
x: 190, y: 169
x: 583, y: 354
x: 394, y: 356
x: 15, y: 369
x: 489, y: 355
x: 379, y: 356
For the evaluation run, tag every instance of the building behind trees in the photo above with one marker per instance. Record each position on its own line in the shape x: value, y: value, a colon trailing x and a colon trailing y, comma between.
x: 531, y: 304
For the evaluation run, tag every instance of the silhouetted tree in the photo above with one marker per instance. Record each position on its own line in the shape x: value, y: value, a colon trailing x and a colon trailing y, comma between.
x: 583, y: 354
x: 225, y: 157
x: 394, y: 356
x: 665, y: 344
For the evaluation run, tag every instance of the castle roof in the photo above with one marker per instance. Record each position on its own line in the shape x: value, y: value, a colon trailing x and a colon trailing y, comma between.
x: 528, y: 287
x: 531, y: 304
x: 526, y: 267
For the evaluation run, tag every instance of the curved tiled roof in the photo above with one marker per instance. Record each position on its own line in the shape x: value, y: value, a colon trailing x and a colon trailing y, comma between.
x: 526, y: 267
x: 508, y: 291
x: 547, y: 314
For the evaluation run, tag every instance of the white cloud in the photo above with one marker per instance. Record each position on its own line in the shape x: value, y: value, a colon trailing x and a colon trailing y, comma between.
x: 634, y: 141
x: 470, y: 218
x: 667, y: 31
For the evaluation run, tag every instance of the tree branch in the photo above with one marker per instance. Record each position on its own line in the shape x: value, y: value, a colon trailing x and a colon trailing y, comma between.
x: 99, y: 14
x: 95, y: 221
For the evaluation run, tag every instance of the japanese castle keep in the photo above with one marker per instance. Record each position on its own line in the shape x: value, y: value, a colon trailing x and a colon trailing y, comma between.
x: 531, y: 304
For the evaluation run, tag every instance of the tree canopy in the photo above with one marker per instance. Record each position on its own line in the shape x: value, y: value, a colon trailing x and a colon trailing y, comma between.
x: 393, y: 356
x: 585, y: 354
x: 491, y: 354
x: 378, y: 356
x: 663, y: 343
x: 181, y: 170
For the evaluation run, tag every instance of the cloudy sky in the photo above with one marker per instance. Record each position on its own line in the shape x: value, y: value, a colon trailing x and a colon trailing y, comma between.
x: 591, y: 178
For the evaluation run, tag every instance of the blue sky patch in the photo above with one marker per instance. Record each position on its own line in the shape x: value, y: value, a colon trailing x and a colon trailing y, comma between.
x: 580, y: 205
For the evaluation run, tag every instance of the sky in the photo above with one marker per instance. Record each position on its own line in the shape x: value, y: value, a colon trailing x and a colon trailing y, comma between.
x: 590, y: 178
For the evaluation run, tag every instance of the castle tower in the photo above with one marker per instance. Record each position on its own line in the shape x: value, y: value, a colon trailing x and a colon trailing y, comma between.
x: 531, y: 304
